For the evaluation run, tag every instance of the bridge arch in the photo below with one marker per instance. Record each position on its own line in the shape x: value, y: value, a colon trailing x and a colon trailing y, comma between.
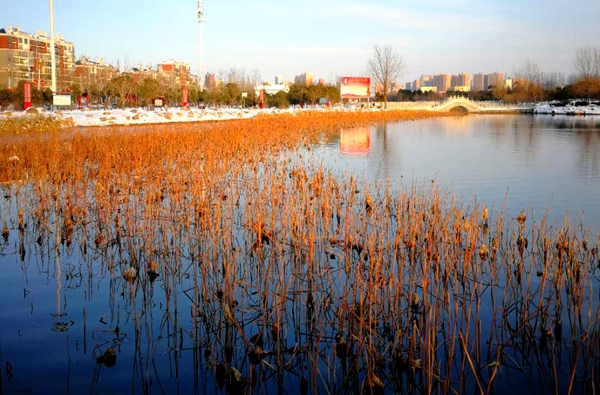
x: 459, y: 109
x: 465, y: 105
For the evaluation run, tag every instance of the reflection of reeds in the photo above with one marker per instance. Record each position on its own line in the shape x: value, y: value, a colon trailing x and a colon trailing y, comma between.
x: 225, y: 244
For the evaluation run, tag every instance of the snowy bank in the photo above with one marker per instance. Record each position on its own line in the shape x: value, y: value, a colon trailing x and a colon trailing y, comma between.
x: 140, y: 116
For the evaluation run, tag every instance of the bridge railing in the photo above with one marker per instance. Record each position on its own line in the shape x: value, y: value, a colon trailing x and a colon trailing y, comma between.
x: 412, y: 105
x: 472, y: 105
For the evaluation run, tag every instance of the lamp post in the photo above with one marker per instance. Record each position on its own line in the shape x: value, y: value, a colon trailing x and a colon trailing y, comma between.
x: 200, y: 20
x: 52, y: 49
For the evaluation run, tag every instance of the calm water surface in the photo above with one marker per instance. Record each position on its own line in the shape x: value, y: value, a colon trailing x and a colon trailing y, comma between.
x: 532, y: 163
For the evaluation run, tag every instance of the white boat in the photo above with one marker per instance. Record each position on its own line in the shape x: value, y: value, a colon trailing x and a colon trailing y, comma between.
x: 574, y: 107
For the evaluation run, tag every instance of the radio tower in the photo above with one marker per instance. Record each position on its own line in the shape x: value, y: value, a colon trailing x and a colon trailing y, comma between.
x: 200, y: 20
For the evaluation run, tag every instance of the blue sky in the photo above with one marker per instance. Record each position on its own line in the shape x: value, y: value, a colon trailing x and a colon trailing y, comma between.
x: 329, y: 38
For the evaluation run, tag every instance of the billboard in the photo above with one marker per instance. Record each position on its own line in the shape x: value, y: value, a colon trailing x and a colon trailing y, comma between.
x: 355, y: 87
x: 61, y: 100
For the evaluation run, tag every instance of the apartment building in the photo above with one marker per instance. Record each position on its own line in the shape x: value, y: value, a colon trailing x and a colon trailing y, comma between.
x: 426, y: 80
x: 495, y: 79
x: 461, y: 82
x: 26, y: 57
x: 305, y: 79
x: 479, y: 82
x: 211, y: 81
x: 423, y: 81
x: 175, y: 73
x: 139, y: 72
x: 89, y: 73
x: 442, y: 82
x: 482, y: 82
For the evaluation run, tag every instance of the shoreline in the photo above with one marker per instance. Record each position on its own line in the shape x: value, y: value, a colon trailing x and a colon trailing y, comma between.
x: 138, y: 116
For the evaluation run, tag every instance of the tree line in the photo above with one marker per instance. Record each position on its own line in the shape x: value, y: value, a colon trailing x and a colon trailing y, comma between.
x: 530, y: 84
x: 236, y: 89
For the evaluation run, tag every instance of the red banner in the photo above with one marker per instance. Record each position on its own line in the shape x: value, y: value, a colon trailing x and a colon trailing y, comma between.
x: 26, y: 95
x: 355, y: 87
x: 184, y: 94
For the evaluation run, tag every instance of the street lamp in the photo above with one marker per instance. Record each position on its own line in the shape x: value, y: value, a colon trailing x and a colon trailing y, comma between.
x: 52, y: 49
x: 200, y: 20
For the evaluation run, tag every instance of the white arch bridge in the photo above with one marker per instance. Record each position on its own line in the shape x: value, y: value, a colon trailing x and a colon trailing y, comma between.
x: 455, y: 103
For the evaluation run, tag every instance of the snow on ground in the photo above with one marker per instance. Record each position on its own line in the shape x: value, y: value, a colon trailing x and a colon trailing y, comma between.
x: 138, y: 116
x: 572, y: 108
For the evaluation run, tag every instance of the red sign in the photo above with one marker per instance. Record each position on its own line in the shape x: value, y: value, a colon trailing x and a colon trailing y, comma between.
x: 355, y: 87
x: 26, y: 95
x: 184, y: 93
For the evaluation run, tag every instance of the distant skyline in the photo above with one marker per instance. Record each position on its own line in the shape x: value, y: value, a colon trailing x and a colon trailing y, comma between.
x: 327, y: 38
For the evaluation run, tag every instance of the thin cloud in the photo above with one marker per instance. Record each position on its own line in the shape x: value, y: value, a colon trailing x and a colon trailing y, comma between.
x: 408, y: 18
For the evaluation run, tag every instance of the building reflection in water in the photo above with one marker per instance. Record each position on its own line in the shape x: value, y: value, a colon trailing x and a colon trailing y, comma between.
x: 355, y: 141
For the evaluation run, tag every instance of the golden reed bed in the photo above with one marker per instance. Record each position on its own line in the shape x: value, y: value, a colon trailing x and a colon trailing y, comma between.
x: 44, y: 148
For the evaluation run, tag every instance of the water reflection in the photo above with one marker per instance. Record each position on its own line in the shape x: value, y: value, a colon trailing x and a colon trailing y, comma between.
x: 532, y: 162
x: 355, y: 141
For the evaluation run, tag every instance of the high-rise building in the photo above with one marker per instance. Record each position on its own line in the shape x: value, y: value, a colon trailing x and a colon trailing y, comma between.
x: 462, y: 79
x: 278, y: 79
x: 479, y: 82
x: 465, y: 80
x: 494, y: 79
x: 454, y: 82
x: 210, y: 81
x: 442, y: 82
x: 426, y: 80
x: 305, y: 79
x: 461, y: 82
x: 26, y: 57
x: 416, y: 85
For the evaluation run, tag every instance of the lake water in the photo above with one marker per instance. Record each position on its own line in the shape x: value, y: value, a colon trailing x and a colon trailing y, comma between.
x: 531, y: 163
x: 70, y: 323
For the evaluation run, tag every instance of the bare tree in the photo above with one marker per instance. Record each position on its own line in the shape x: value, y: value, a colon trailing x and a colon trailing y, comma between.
x: 587, y: 63
x: 529, y: 71
x: 254, y: 78
x: 386, y: 65
x: 553, y: 80
x: 528, y: 82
